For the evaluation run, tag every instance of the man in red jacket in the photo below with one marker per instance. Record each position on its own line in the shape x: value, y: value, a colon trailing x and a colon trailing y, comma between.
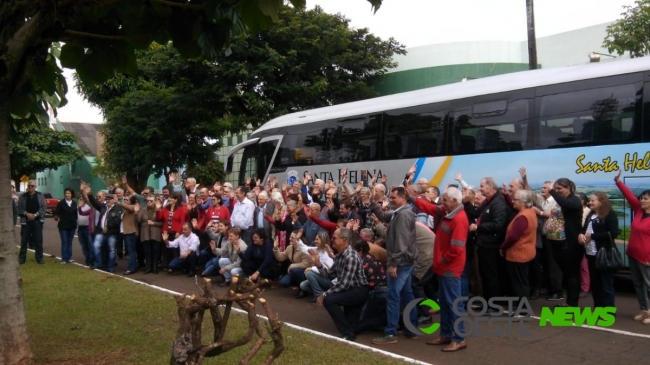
x: 448, y: 263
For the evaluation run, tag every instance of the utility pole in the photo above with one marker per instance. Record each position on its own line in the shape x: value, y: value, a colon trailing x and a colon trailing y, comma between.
x: 532, y: 42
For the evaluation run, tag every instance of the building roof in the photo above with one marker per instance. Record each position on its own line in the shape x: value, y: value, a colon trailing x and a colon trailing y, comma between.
x: 86, y: 135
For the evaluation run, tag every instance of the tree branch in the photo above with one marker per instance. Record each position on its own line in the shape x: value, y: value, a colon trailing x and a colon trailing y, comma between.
x: 98, y: 36
x: 179, y: 5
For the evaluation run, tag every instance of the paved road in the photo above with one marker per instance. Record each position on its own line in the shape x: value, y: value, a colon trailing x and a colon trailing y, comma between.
x: 627, y: 343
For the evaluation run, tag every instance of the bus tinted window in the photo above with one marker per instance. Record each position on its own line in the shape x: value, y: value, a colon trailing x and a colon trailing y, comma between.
x: 356, y: 140
x: 494, y: 126
x: 414, y: 132
x: 304, y: 145
x: 594, y: 116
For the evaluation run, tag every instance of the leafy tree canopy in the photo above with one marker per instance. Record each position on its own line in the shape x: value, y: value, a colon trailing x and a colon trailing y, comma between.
x: 33, y: 150
x: 632, y: 32
x: 167, y: 115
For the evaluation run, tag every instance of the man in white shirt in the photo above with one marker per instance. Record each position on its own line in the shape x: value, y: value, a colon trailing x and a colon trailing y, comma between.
x: 188, y: 244
x: 242, y: 215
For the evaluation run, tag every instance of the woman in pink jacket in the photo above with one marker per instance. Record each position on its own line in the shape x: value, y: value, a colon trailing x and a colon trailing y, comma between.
x: 638, y: 247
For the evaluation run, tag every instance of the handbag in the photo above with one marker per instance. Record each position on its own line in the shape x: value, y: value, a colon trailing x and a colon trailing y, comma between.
x: 609, y: 258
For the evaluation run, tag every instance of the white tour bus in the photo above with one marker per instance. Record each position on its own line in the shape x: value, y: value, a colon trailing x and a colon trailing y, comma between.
x: 581, y: 122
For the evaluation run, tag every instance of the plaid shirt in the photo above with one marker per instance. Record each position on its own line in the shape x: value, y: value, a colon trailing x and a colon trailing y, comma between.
x: 348, y: 271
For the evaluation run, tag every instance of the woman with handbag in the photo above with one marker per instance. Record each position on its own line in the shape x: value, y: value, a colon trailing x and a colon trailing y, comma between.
x: 598, y: 232
x: 638, y: 247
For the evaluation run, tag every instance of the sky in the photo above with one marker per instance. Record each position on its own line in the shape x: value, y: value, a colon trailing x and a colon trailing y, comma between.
x: 421, y: 22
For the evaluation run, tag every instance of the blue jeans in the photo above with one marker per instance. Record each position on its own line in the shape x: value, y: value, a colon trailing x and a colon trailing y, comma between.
x: 100, y: 240
x: 66, y: 244
x: 450, y: 289
x: 227, y: 276
x: 130, y: 241
x: 399, y: 292
x: 205, y: 256
x: 295, y: 277
x: 86, y: 244
x: 212, y: 266
x: 315, y: 283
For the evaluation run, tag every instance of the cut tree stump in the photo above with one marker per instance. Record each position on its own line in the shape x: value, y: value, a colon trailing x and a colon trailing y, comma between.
x: 188, y: 347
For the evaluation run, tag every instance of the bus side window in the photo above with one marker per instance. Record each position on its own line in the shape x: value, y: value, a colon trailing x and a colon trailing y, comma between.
x: 493, y: 126
x: 587, y: 117
x: 356, y: 140
x: 414, y: 132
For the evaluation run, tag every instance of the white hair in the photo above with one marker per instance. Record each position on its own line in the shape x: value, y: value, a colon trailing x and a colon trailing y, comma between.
x: 423, y: 181
x: 191, y: 180
x: 264, y: 195
x: 319, y: 182
x: 277, y: 197
x: 455, y: 194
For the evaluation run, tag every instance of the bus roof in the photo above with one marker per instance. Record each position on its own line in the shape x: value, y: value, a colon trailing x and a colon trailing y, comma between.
x: 461, y: 90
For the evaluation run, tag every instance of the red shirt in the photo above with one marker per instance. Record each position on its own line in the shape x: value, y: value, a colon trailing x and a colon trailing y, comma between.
x: 175, y: 219
x: 214, y: 215
x: 638, y: 247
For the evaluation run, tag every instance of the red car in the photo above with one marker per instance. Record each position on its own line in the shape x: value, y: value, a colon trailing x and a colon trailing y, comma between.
x: 50, y: 203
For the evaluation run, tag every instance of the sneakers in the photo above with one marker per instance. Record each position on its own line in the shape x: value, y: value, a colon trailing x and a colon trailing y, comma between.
x: 385, y: 340
x: 642, y: 315
x: 646, y: 320
x: 555, y: 297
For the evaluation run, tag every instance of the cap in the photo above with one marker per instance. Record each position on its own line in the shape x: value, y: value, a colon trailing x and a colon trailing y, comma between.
x: 110, y: 196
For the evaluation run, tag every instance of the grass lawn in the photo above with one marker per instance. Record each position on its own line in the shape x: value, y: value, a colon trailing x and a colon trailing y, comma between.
x: 76, y: 316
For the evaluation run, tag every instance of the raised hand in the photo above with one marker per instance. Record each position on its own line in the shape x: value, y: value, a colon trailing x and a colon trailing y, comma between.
x: 276, y: 242
x: 618, y: 176
x: 344, y: 175
x: 172, y: 177
x: 285, y: 186
x: 213, y: 245
x: 384, y: 178
x: 522, y: 172
x: 355, y: 225
x: 374, y: 218
x: 124, y: 181
x: 504, y: 189
x: 412, y: 170
x: 359, y: 187
x: 248, y: 180
x: 80, y: 203
x: 258, y: 182
x: 158, y: 205
x: 385, y: 204
x: 136, y: 208
x: 195, y: 222
x: 165, y: 236
x: 306, y: 178
x: 458, y: 177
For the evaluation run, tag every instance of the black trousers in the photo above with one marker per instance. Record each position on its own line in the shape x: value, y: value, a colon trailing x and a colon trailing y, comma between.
x: 345, y: 308
x: 569, y: 259
x: 494, y: 273
x: 271, y: 272
x: 31, y: 234
x: 151, y: 251
x: 552, y: 272
x: 168, y: 254
x: 536, y: 270
x: 601, y: 283
x: 418, y: 286
x: 518, y: 272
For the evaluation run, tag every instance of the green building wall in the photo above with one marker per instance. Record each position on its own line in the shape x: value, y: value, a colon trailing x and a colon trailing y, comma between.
x: 421, y: 78
x: 69, y: 176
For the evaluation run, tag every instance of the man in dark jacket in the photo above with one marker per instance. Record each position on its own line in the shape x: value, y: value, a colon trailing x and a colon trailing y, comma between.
x: 31, y: 210
x: 490, y: 230
x: 108, y: 227
x: 401, y: 250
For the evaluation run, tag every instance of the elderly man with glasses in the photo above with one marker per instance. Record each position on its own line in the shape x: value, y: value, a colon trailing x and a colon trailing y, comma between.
x: 345, y: 299
x: 108, y: 227
x: 31, y: 209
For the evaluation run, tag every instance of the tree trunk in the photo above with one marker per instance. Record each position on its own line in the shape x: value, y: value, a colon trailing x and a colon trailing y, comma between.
x: 14, y: 341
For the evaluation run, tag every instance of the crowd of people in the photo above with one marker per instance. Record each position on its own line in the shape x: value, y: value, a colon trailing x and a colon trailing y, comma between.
x: 363, y: 252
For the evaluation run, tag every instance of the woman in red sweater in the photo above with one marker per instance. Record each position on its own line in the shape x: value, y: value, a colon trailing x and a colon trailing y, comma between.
x: 173, y: 215
x: 638, y: 247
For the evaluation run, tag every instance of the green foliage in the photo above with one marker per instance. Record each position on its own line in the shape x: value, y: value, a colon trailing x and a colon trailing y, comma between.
x: 207, y: 172
x: 632, y: 32
x: 32, y: 149
x: 163, y: 117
